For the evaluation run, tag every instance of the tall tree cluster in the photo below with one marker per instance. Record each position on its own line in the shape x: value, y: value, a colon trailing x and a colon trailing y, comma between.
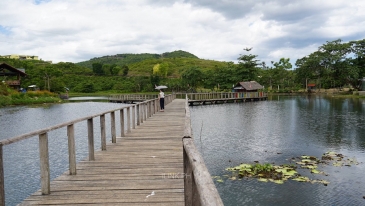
x: 334, y: 64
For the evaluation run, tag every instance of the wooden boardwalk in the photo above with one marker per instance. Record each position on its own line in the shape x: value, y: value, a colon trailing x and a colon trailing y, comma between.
x: 143, y: 168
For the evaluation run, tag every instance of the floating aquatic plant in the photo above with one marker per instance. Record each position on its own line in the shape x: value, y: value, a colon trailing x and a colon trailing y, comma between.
x: 280, y: 173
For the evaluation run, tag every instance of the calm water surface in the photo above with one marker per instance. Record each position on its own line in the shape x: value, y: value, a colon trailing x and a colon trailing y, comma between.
x: 273, y: 132
x: 21, y: 160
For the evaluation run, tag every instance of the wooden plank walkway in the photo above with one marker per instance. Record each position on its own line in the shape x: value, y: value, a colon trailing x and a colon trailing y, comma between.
x: 143, y: 168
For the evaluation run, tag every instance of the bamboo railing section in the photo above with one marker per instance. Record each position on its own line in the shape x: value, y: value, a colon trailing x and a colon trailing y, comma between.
x: 199, y: 188
x: 135, y: 115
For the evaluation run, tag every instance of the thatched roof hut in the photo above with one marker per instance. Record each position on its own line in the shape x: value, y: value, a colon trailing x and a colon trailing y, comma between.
x: 251, y: 86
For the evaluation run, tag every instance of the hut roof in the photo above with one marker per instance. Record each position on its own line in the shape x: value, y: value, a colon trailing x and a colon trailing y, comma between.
x: 7, y: 70
x: 251, y: 85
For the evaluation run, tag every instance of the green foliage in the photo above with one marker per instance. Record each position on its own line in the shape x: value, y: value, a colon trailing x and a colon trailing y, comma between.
x: 98, y: 68
x: 247, y: 69
x: 334, y: 64
x: 127, y: 59
x: 178, y: 54
x: 4, y: 90
x: 192, y: 77
x: 125, y: 70
x: 221, y: 77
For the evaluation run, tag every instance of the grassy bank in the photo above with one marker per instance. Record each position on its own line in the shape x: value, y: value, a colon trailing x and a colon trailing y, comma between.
x: 31, y: 97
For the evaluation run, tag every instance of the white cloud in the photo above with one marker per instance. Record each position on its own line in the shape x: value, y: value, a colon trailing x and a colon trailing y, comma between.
x: 75, y: 30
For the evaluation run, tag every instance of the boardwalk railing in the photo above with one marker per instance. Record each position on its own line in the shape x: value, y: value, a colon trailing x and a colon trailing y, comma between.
x: 132, y: 97
x: 199, y: 188
x: 225, y: 95
x: 135, y: 115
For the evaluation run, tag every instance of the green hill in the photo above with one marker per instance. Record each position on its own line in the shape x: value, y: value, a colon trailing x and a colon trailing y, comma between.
x: 127, y: 59
x: 173, y: 66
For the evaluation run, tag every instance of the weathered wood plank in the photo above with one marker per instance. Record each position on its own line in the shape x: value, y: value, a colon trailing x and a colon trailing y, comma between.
x: 146, y: 159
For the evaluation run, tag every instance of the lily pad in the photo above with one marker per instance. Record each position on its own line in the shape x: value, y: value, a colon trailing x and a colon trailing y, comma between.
x: 315, y: 171
x: 262, y: 180
x: 301, y: 179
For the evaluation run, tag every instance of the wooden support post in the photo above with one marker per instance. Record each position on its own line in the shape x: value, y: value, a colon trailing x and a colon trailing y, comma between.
x: 141, y: 108
x: 148, y: 109
x: 153, y: 109
x: 2, y: 180
x: 90, y: 133
x: 121, y: 122
x: 128, y: 119
x: 138, y: 115
x: 71, y: 149
x: 113, y: 130
x: 145, y: 111
x: 44, y: 164
x: 134, y: 117
x: 103, y: 132
x: 188, y: 177
x: 158, y: 105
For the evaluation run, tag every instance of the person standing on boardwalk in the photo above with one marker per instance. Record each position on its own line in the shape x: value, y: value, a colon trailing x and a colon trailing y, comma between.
x: 161, y: 97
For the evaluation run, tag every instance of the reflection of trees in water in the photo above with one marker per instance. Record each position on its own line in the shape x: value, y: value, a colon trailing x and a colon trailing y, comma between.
x: 339, y: 121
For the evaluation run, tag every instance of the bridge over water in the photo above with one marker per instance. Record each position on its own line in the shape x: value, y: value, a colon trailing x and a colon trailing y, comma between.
x: 153, y: 161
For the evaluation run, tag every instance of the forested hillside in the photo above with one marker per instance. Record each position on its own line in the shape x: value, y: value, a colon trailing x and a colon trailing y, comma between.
x: 127, y: 59
x: 334, y: 64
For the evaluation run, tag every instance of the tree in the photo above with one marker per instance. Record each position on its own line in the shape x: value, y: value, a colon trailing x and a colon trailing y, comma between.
x: 125, y: 70
x: 280, y: 73
x: 192, y: 77
x: 247, y: 67
x: 221, y: 78
x: 98, y: 68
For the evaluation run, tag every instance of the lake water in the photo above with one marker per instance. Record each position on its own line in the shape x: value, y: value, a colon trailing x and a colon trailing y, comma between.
x: 275, y: 131
x: 21, y: 159
x: 226, y: 134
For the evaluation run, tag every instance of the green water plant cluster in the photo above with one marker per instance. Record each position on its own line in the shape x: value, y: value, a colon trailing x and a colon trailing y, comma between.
x: 280, y: 173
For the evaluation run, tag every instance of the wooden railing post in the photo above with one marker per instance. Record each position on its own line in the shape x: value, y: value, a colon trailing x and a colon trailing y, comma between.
x: 2, y: 180
x: 141, y: 108
x: 113, y: 130
x: 121, y: 113
x: 103, y: 132
x: 149, y: 108
x: 138, y: 116
x: 90, y: 134
x: 71, y: 149
x: 134, y: 117
x: 152, y: 104
x: 188, y: 176
x: 44, y: 164
x: 158, y: 105
x: 128, y: 119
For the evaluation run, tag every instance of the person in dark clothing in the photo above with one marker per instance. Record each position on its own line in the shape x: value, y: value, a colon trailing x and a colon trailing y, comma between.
x: 161, y: 97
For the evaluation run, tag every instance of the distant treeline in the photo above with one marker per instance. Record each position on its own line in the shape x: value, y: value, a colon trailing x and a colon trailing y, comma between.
x: 334, y: 64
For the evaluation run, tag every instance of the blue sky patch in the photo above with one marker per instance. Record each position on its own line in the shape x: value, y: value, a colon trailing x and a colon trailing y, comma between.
x: 41, y: 1
x: 5, y: 30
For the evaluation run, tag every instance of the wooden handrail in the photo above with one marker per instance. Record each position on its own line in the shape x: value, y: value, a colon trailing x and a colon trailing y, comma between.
x: 225, y: 95
x: 199, y: 188
x: 43, y: 138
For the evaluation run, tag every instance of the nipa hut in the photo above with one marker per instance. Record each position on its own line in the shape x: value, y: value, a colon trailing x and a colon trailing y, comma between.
x: 251, y: 86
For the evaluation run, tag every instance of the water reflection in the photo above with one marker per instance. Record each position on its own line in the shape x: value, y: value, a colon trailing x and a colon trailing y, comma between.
x: 275, y: 131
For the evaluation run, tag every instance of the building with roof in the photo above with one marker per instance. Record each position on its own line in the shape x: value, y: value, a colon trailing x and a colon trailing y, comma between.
x: 21, y: 57
x: 251, y: 86
x: 12, y: 74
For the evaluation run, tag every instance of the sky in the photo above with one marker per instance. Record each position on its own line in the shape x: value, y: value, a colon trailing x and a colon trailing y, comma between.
x: 78, y: 30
